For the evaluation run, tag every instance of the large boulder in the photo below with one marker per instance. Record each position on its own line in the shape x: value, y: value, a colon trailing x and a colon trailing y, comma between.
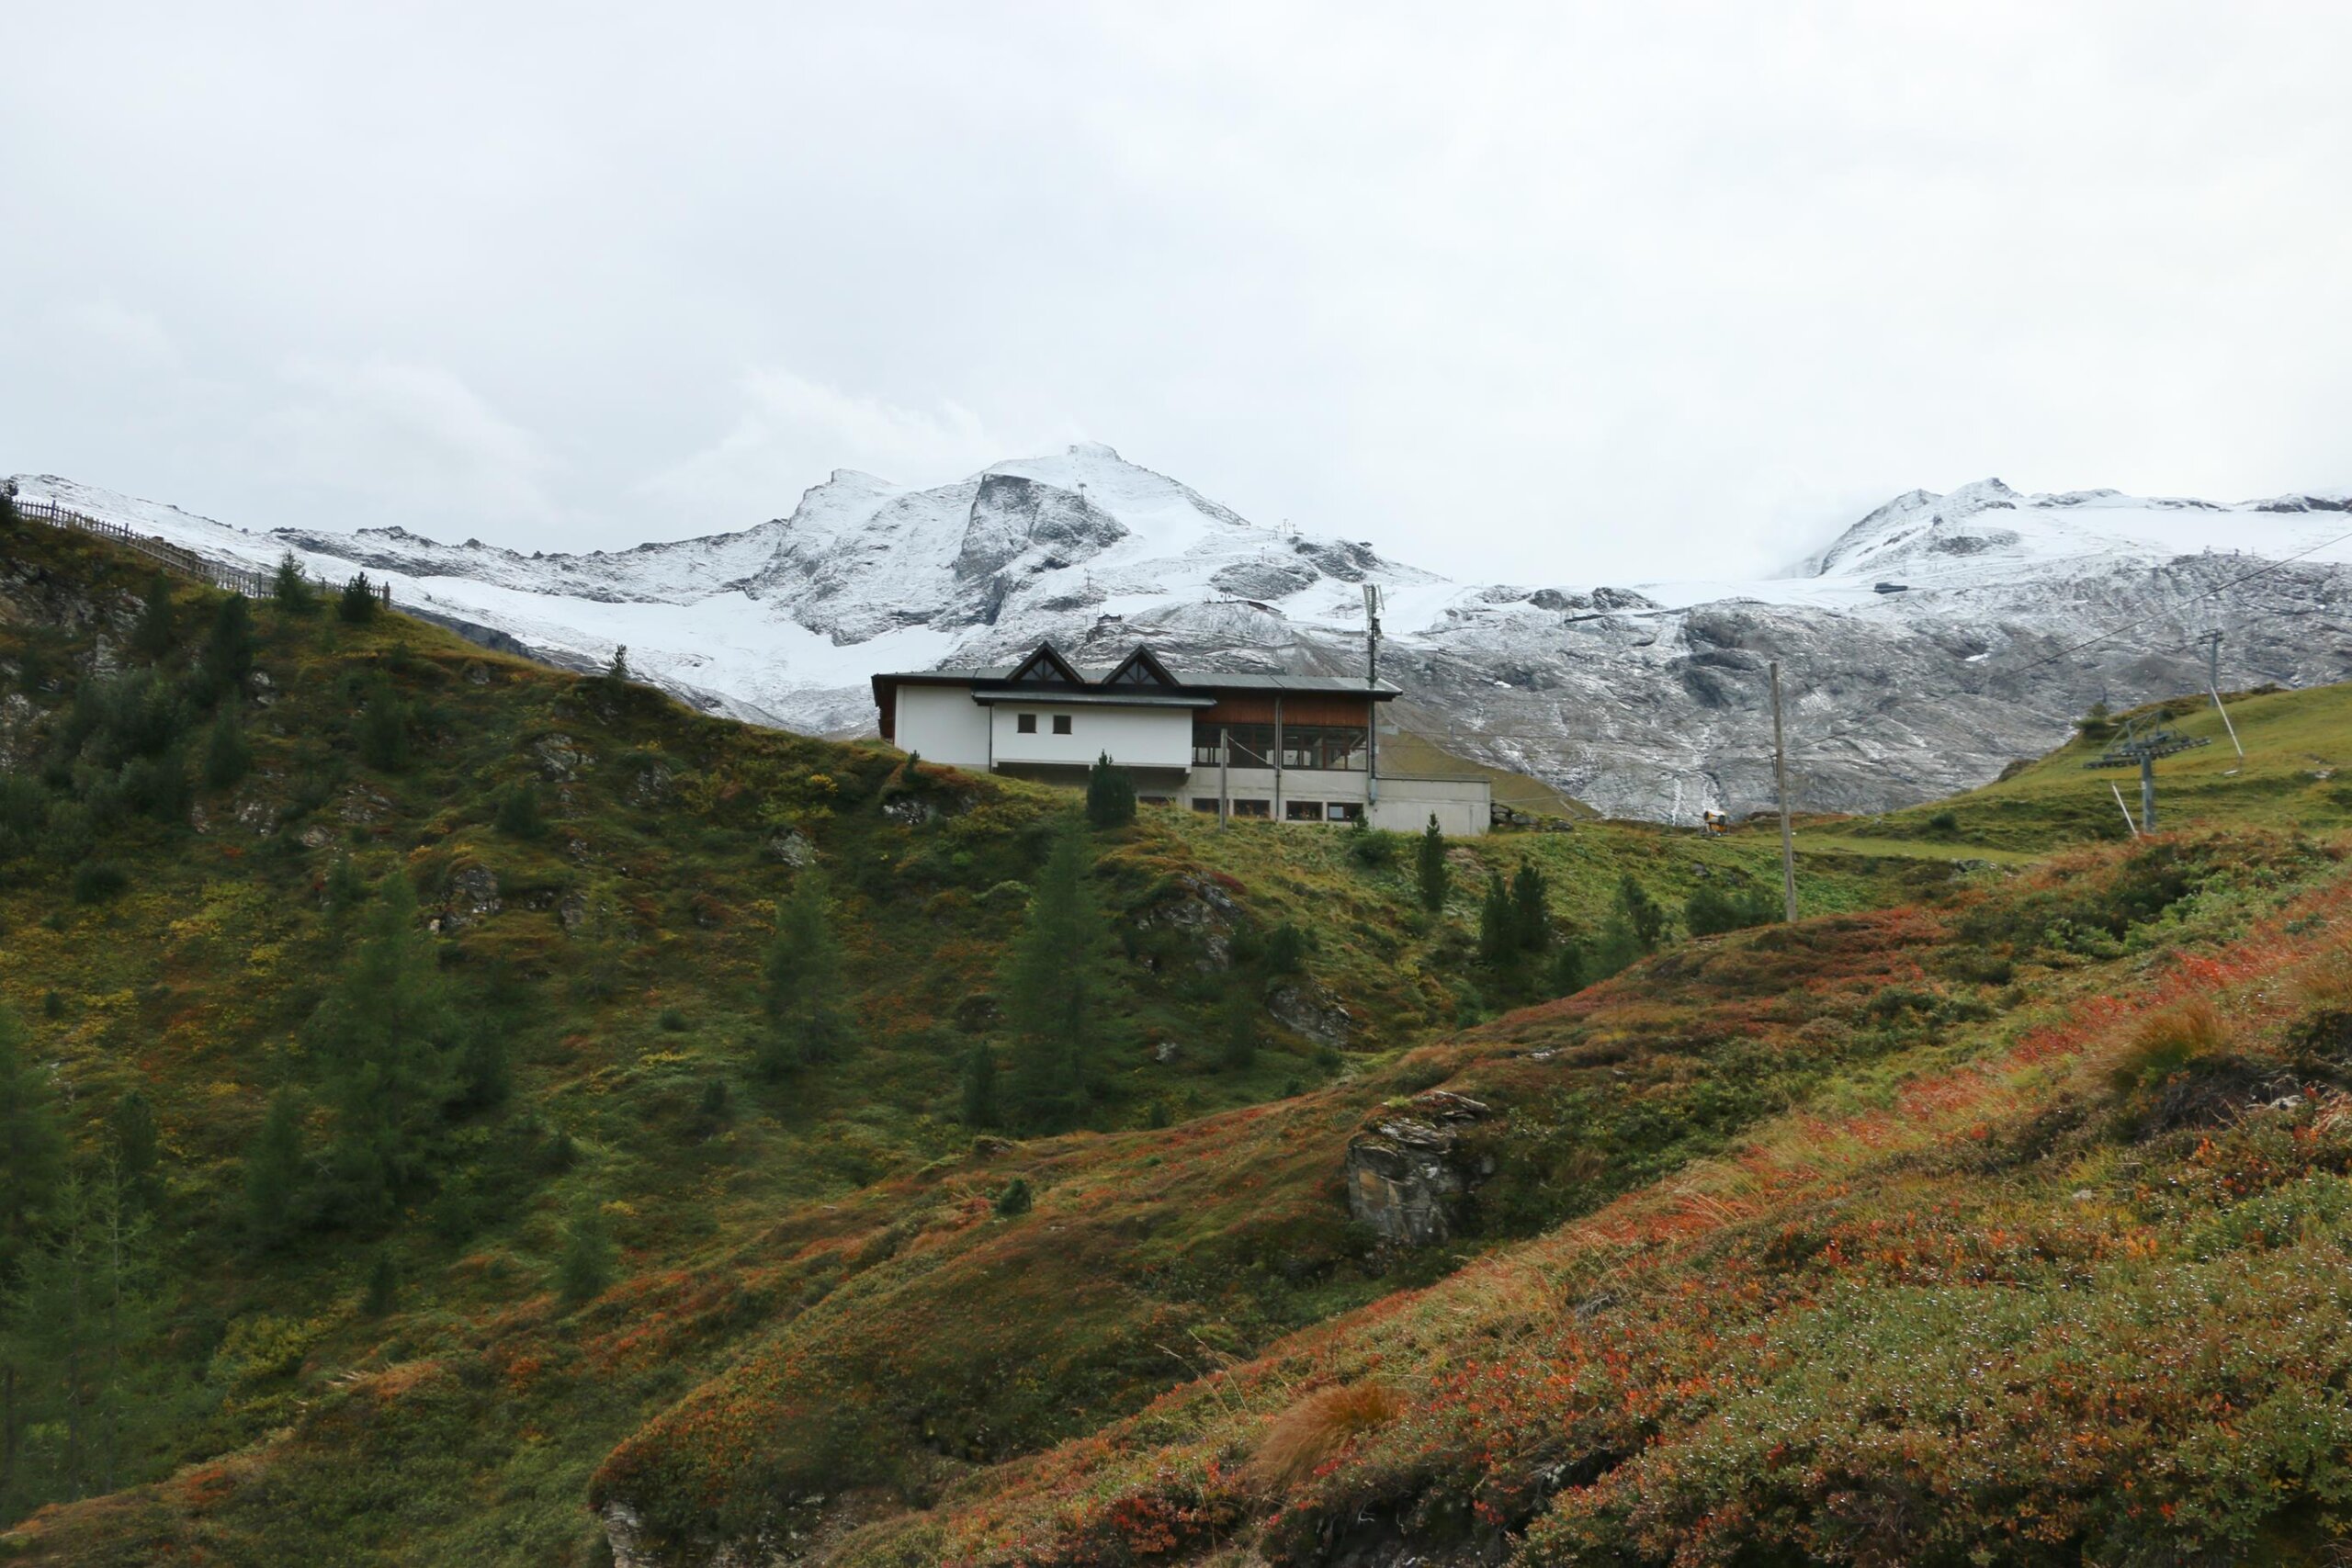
x: 1404, y: 1174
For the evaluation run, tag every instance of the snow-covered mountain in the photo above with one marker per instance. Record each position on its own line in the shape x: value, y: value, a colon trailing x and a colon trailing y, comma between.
x: 1923, y: 649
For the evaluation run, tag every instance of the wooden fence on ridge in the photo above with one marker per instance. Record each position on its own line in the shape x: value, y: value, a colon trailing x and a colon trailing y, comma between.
x: 175, y: 558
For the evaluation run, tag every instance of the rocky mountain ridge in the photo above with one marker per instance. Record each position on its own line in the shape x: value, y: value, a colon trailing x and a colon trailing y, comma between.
x: 1928, y: 644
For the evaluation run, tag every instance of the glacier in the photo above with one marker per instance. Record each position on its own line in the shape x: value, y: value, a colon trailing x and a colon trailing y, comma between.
x: 1926, y: 646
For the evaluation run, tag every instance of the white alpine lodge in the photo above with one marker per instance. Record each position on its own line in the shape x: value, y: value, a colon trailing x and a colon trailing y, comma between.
x: 1280, y: 748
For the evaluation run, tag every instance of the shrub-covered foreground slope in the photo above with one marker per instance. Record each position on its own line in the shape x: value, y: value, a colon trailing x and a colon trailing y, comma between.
x: 2052, y: 1269
x: 368, y: 1234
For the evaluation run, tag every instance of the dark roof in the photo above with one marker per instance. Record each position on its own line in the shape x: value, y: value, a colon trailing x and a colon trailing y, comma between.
x: 1101, y: 683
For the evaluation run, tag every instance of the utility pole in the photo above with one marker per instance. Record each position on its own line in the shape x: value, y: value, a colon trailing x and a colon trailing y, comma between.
x: 2136, y: 748
x: 1781, y: 785
x: 2213, y: 641
x: 1371, y: 701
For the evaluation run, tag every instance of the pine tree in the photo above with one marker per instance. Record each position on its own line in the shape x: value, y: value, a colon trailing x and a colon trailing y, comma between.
x: 381, y: 730
x: 359, y: 603
x: 979, y: 1086
x: 1641, y: 913
x: 586, y: 1266
x: 228, y: 655
x: 1570, y: 968
x: 1110, y: 795
x: 1015, y: 1200
x: 226, y: 756
x: 81, y: 1313
x: 518, y: 813
x: 274, y: 1172
x: 1530, y: 910
x: 1497, y: 922
x: 383, y: 1286
x: 346, y: 887
x: 1049, y: 988
x: 617, y: 672
x: 392, y: 1047
x: 803, y: 975
x: 33, y: 1150
x: 289, y: 589
x: 9, y: 515
x: 157, y: 630
x: 1430, y: 865
x: 132, y: 1143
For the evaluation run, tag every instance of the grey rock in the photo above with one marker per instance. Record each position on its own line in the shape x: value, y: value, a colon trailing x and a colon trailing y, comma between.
x: 909, y: 810
x: 361, y: 806
x: 792, y: 848
x: 560, y: 758
x: 1312, y: 1011
x: 1405, y: 1174
x: 654, y: 785
x: 474, y: 897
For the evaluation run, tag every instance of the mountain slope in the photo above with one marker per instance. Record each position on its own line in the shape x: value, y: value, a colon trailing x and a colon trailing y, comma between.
x: 1929, y: 646
x: 173, y: 933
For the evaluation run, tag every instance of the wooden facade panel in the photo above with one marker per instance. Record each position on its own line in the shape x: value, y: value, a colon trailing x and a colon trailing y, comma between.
x: 1298, y: 707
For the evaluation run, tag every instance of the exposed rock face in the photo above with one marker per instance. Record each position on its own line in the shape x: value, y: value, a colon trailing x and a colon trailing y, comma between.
x: 1648, y: 703
x: 654, y: 785
x: 792, y: 848
x: 1311, y: 1010
x: 560, y: 758
x: 1404, y: 1176
x: 473, y: 897
x: 1203, y: 909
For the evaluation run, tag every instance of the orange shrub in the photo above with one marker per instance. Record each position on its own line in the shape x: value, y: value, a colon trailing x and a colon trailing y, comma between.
x: 1316, y: 1428
x: 2168, y: 1040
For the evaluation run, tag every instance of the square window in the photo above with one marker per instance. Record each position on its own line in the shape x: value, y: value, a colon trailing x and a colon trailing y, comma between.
x: 1061, y: 724
x: 1025, y: 723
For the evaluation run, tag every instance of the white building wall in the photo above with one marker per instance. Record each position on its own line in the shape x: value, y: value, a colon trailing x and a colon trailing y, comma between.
x: 944, y: 724
x: 1462, y: 806
x: 1135, y: 738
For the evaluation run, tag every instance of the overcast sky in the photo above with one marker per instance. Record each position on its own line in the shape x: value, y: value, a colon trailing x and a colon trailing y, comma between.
x: 1551, y: 293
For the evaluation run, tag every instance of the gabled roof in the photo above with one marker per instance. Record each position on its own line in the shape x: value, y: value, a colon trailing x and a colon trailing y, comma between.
x: 1142, y: 668
x: 1140, y: 677
x: 1045, y: 665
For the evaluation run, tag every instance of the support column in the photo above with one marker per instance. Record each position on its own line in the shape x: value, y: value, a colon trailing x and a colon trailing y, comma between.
x: 1224, y: 776
x: 1277, y: 758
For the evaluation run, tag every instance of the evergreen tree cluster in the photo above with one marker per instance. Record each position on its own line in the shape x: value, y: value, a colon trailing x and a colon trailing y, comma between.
x: 359, y: 602
x: 397, y: 1067
x: 1110, y: 794
x: 1430, y: 868
x: 1049, y: 992
x: 1710, y: 910
x: 80, y: 1292
x: 140, y: 738
x: 807, y: 1018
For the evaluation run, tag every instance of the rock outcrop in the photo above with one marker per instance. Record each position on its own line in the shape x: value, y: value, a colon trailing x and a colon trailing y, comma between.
x: 1405, y: 1174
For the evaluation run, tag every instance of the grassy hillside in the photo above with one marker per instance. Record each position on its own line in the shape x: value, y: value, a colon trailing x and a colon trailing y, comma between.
x: 2296, y: 744
x: 2046, y: 1267
x: 614, y: 1238
x: 1996, y: 1211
